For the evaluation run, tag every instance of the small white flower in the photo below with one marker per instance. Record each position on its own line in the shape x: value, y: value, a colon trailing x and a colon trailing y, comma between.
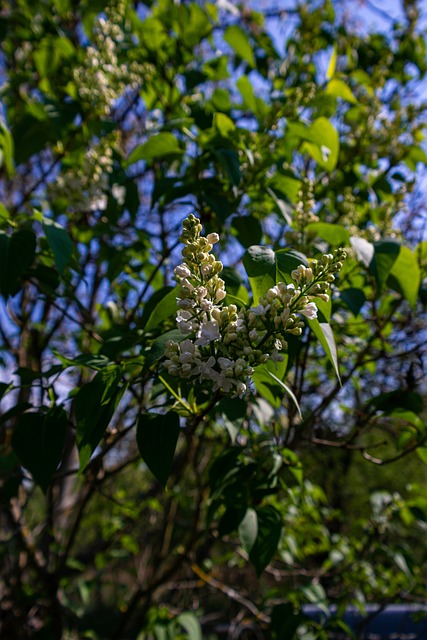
x: 208, y: 333
x: 221, y: 382
x: 310, y: 311
x: 212, y: 238
x: 240, y: 389
x: 182, y: 271
x: 224, y: 363
x: 204, y: 368
x: 260, y: 309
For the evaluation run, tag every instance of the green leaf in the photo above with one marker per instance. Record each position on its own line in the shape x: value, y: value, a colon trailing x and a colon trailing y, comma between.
x: 238, y: 40
x: 335, y: 234
x: 340, y: 89
x: 229, y: 160
x: 406, y: 273
x: 385, y: 255
x: 288, y: 390
x: 285, y: 622
x: 157, y: 436
x: 6, y: 150
x: 248, y: 530
x: 323, y: 332
x: 38, y: 440
x: 159, y: 146
x: 60, y: 243
x: 191, y: 624
x: 95, y: 404
x: 354, y: 299
x: 286, y: 261
x: 16, y: 256
x: 157, y: 350
x: 332, y: 64
x: 249, y: 230
x: 247, y: 92
x: 161, y: 306
x: 260, y: 265
x: 224, y: 125
x: 265, y: 267
x: 268, y: 537
x: 323, y: 143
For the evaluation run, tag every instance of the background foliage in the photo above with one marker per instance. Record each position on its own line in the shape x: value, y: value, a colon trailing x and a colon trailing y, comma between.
x: 292, y: 129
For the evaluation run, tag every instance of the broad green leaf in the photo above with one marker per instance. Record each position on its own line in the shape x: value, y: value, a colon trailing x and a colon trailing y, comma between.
x: 238, y: 40
x: 229, y: 160
x: 265, y: 267
x: 335, y: 234
x: 286, y: 261
x: 406, y: 272
x: 332, y: 64
x: 224, y: 125
x: 95, y: 404
x: 323, y: 143
x: 268, y: 537
x: 16, y: 256
x: 260, y: 265
x: 248, y: 530
x: 157, y: 350
x: 38, y: 440
x: 385, y: 255
x: 159, y: 146
x: 191, y: 625
x: 160, y: 306
x: 249, y: 230
x: 157, y: 436
x: 340, y: 89
x: 354, y: 299
x: 60, y: 243
x: 323, y: 332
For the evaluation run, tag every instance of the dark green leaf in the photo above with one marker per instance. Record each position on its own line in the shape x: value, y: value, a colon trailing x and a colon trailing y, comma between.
x: 157, y: 436
x: 285, y: 622
x: 16, y: 255
x: 249, y: 230
x: 385, y: 255
x: 60, y: 243
x: 95, y: 404
x: 160, y: 306
x: 38, y: 440
x: 354, y: 299
x: 268, y: 537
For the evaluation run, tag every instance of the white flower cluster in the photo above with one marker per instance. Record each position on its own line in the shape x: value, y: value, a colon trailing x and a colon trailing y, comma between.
x: 84, y: 185
x: 101, y: 79
x: 222, y: 344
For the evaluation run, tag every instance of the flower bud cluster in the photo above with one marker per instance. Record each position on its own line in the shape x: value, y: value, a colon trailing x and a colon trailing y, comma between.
x: 84, y: 185
x: 222, y: 344
x: 102, y: 78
